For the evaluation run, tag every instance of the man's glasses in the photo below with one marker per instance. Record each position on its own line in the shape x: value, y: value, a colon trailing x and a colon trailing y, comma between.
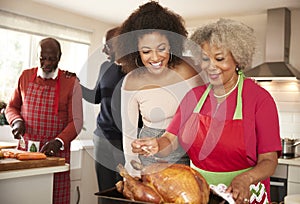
x: 106, y: 47
x: 51, y: 59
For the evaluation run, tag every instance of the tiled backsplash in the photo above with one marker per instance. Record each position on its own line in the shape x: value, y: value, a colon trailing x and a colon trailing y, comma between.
x: 287, y: 97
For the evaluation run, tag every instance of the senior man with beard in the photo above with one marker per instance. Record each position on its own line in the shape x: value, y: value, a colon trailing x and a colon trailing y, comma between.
x: 46, y: 109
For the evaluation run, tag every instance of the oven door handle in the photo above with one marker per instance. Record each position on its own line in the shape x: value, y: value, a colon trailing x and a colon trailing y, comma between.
x: 276, y: 183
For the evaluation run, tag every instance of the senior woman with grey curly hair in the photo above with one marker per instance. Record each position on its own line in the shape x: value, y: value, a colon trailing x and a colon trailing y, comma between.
x: 229, y: 127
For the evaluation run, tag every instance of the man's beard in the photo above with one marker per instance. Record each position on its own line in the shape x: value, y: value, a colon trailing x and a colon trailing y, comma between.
x: 47, y: 75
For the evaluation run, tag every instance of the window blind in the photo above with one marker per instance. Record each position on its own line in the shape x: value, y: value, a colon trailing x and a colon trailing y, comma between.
x: 31, y: 25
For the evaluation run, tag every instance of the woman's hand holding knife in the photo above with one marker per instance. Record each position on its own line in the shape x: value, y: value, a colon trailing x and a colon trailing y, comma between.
x: 145, y: 146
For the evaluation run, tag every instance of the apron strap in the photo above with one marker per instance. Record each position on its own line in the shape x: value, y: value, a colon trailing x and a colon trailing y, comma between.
x: 202, y: 99
x: 34, y: 75
x: 238, y: 113
x: 57, y: 89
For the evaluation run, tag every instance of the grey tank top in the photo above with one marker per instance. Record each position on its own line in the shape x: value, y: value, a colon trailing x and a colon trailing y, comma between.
x: 179, y: 156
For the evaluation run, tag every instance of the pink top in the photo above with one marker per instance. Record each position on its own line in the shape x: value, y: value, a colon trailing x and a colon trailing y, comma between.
x: 261, y: 125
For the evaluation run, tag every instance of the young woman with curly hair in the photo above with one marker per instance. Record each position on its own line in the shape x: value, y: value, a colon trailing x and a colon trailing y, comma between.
x: 150, y: 48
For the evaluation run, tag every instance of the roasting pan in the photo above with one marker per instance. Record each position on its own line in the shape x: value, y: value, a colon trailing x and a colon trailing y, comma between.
x: 112, y: 196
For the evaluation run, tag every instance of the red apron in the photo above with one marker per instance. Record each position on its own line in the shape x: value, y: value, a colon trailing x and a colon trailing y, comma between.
x: 39, y: 110
x: 216, y: 146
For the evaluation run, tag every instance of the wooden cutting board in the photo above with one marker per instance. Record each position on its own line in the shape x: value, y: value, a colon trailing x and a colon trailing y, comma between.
x: 5, y: 145
x: 15, y: 164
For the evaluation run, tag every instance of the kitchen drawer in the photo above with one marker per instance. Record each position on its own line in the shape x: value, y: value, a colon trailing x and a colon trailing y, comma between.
x: 293, y: 188
x: 76, y: 156
x: 294, y: 174
x: 75, y: 192
x: 281, y: 171
x: 75, y: 174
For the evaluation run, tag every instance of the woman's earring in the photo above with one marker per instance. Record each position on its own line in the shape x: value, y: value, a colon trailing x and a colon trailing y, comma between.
x: 237, y: 68
x: 137, y: 59
x: 171, y: 57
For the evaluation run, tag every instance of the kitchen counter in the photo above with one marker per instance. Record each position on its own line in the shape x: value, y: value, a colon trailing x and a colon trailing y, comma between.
x: 32, y: 172
x: 293, y: 161
x: 78, y: 144
x: 28, y: 186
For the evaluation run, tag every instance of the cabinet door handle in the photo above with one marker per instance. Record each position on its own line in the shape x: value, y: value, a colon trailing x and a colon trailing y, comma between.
x: 78, y: 194
x: 276, y: 183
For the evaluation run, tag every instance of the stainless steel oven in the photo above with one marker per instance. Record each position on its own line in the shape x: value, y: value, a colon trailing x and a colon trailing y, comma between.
x: 278, y: 183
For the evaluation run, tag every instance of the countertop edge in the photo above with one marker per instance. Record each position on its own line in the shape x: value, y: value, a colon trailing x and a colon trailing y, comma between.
x: 294, y: 161
x: 33, y: 172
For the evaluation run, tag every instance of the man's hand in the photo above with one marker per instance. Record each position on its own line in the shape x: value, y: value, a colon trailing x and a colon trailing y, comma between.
x: 18, y: 129
x: 51, y: 148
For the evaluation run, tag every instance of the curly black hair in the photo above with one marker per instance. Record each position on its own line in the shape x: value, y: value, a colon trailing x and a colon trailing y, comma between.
x: 148, y: 18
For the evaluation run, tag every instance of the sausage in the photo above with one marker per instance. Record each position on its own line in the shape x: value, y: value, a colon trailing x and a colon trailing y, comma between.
x: 7, y: 154
x: 31, y: 155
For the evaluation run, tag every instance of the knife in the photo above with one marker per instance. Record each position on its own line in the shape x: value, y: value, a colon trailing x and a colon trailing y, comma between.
x: 22, y: 142
x: 146, y: 149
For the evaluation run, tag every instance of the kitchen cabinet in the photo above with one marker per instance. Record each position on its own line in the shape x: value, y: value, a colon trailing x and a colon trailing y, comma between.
x: 287, y: 173
x: 28, y: 186
x: 75, y: 191
x: 88, y: 177
x: 293, y: 186
x: 75, y: 173
x: 83, y: 176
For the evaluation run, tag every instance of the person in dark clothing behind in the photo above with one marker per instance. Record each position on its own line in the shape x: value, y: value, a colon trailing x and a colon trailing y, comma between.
x: 108, y: 135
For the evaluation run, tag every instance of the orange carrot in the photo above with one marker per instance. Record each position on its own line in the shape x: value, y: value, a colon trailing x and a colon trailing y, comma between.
x: 31, y: 155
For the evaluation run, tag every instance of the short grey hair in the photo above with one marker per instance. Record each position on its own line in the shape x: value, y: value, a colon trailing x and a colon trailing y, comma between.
x: 233, y: 36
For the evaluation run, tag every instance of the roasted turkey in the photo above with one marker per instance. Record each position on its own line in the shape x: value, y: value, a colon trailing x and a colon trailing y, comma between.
x: 165, y: 183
